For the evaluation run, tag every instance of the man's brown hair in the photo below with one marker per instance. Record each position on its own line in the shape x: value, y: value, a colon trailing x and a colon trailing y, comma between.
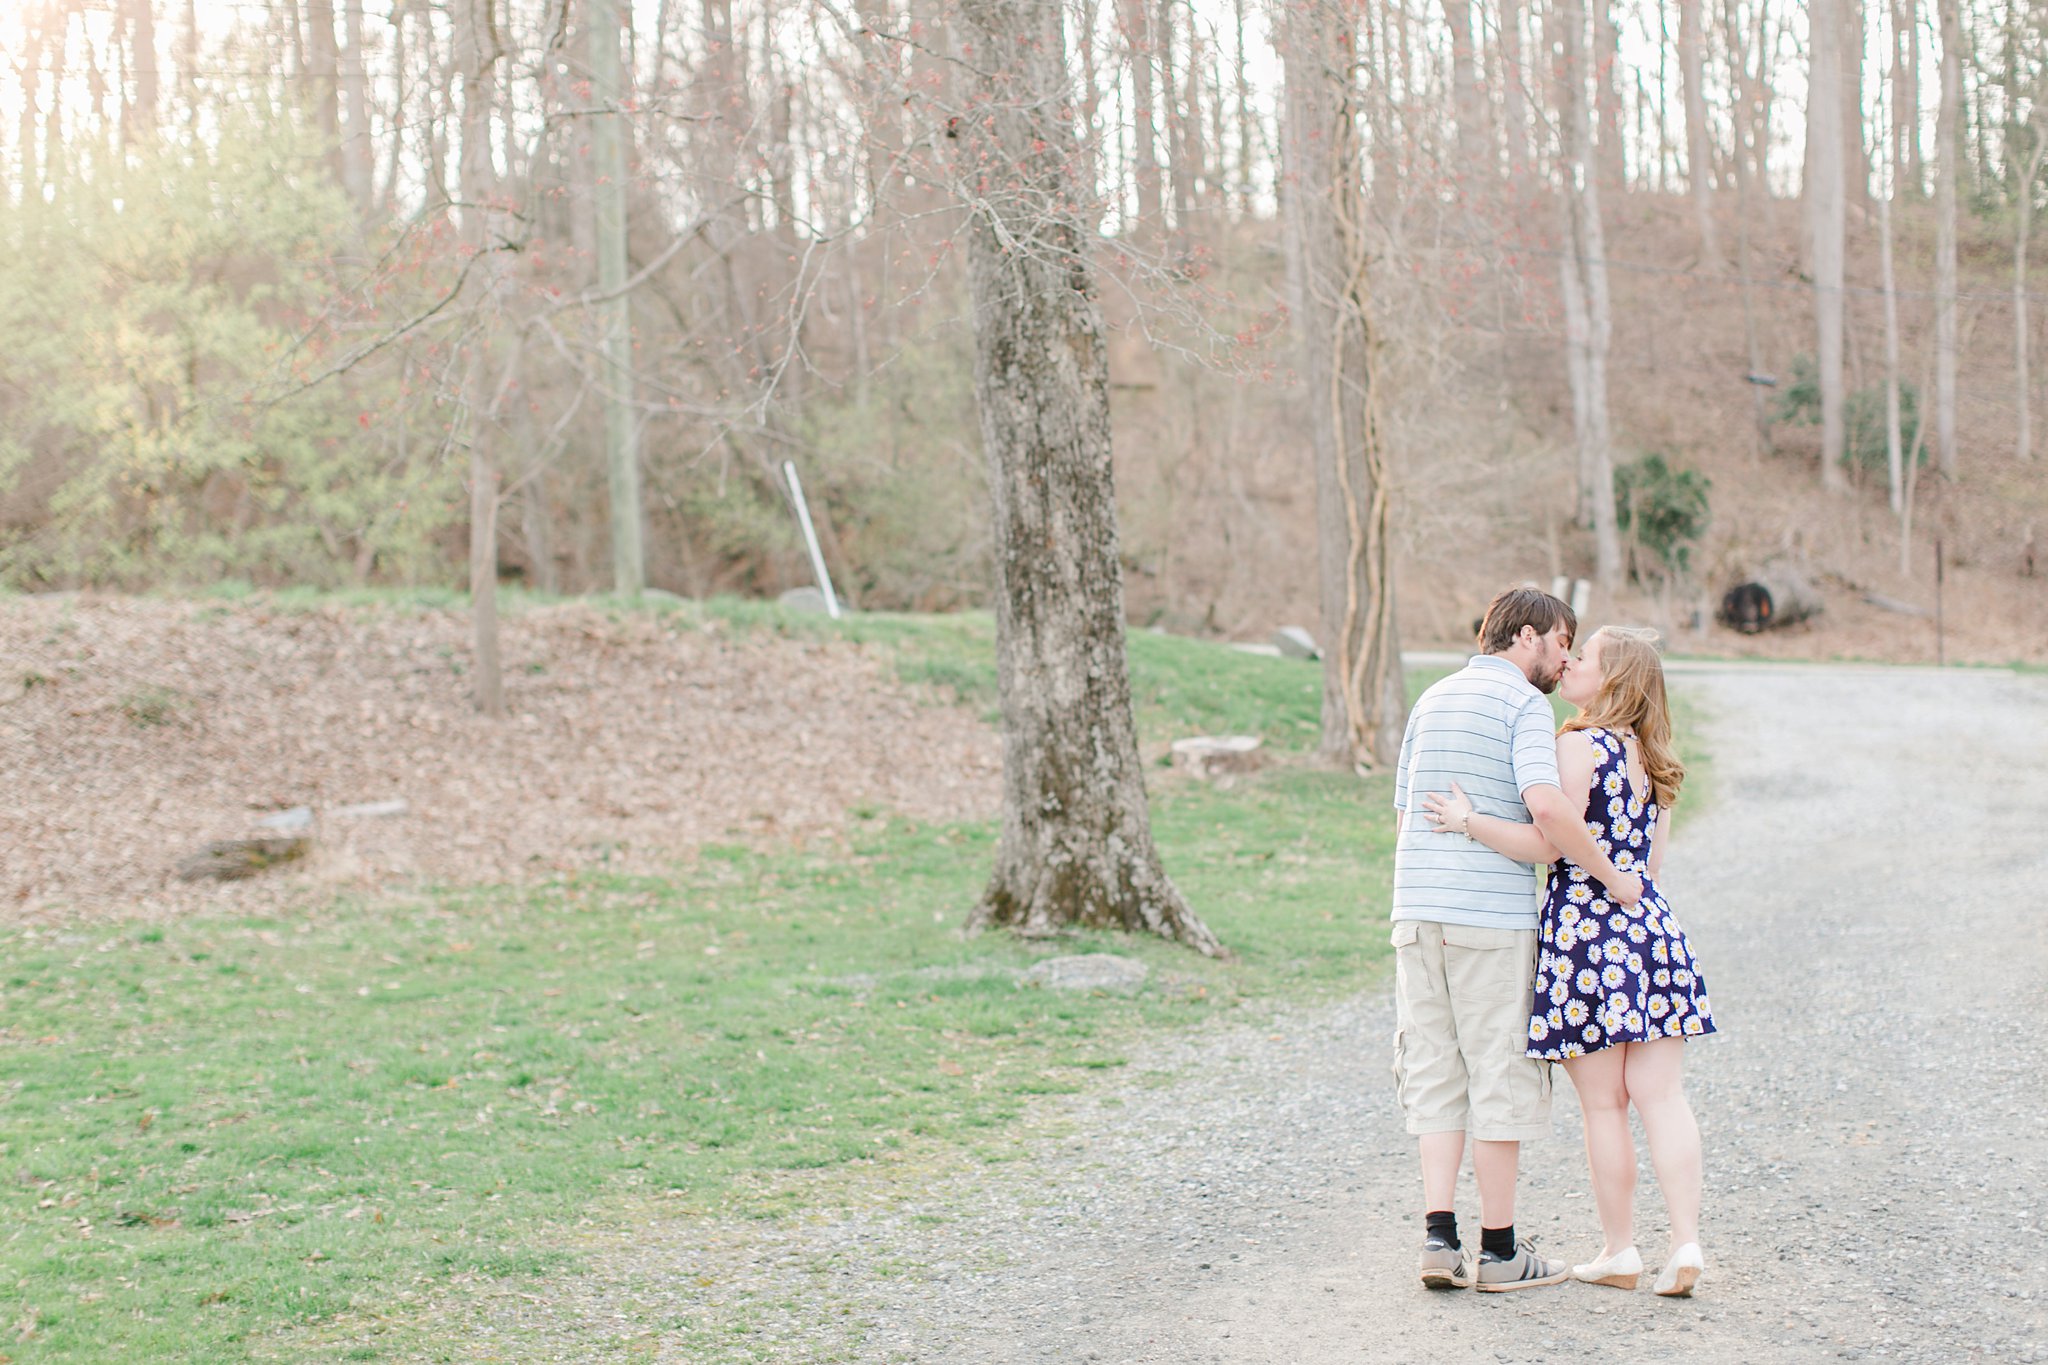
x: 1518, y: 607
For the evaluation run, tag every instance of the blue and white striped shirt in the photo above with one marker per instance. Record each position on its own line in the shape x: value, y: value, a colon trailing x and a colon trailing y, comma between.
x: 1488, y: 729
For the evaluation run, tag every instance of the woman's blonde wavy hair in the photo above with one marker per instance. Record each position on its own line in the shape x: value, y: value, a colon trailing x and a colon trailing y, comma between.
x: 1632, y: 697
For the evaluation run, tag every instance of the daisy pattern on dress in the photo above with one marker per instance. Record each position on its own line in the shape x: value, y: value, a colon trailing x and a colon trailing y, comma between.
x: 1609, y: 973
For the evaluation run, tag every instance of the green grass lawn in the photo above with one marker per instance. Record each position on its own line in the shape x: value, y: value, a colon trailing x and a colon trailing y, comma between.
x: 221, y: 1130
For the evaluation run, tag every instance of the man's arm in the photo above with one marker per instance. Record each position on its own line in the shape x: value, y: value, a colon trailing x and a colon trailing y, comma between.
x: 1564, y: 825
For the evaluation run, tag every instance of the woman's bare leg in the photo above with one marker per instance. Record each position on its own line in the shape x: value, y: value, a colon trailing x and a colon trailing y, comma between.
x: 1656, y: 1088
x: 1610, y: 1150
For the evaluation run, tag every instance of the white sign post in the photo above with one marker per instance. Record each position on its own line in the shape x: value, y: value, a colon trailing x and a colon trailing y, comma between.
x: 803, y: 517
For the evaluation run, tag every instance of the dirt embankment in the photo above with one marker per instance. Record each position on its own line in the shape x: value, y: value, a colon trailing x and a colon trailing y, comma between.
x: 134, y: 730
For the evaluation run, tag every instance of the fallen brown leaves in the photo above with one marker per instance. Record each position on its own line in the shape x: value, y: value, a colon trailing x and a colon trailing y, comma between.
x: 135, y: 730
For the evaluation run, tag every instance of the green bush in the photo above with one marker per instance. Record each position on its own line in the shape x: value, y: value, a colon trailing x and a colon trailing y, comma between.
x: 1663, y: 510
x: 1863, y: 438
x: 159, y: 416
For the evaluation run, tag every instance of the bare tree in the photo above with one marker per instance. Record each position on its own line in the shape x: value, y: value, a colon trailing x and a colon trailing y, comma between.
x: 1610, y: 141
x: 1514, y: 94
x: 1141, y: 45
x: 1465, y: 101
x: 621, y: 444
x: 1748, y: 159
x: 1588, y: 308
x: 323, y: 80
x: 1827, y: 224
x: 1076, y: 845
x: 356, y: 147
x: 2033, y: 147
x: 142, y: 118
x: 1911, y: 172
x: 1364, y: 701
x: 478, y: 56
x: 1699, y: 154
x: 1855, y: 160
x: 30, y: 72
x: 1893, y: 457
x: 1948, y: 153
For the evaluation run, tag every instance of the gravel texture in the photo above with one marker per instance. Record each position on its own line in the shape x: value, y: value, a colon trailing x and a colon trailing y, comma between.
x: 1865, y: 890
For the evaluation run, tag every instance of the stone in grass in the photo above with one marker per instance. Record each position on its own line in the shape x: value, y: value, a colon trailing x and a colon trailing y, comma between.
x: 370, y: 810
x: 297, y: 820
x: 804, y: 599
x: 1296, y: 643
x: 1218, y: 755
x: 227, y: 860
x: 1104, y: 972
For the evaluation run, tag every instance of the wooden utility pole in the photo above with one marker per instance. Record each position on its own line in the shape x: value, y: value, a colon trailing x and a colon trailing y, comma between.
x: 621, y: 430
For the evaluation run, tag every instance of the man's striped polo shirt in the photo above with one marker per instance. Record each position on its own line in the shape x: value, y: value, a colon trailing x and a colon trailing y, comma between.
x: 1488, y: 729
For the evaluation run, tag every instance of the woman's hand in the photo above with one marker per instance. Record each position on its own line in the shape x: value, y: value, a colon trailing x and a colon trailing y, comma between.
x: 1449, y: 814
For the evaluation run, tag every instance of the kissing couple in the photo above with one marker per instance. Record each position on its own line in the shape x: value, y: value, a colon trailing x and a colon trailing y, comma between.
x: 1495, y: 979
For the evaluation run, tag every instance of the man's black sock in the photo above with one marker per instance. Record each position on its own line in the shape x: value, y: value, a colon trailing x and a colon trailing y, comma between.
x: 1498, y: 1241
x: 1443, y: 1226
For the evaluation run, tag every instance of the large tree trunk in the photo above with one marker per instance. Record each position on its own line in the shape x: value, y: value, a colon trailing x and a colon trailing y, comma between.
x: 477, y: 35
x: 1948, y: 154
x: 1364, y: 699
x: 621, y: 443
x: 2022, y: 395
x: 1894, y: 469
x: 1514, y: 100
x: 1474, y: 159
x: 323, y: 81
x: 1588, y: 311
x: 142, y: 48
x: 1902, y: 109
x: 1855, y: 159
x: 1076, y: 845
x: 1241, y: 81
x: 357, y: 151
x: 188, y: 63
x: 31, y: 78
x: 1827, y: 223
x: 1699, y: 147
x: 1915, y: 162
x: 1136, y: 18
x: 1607, y: 96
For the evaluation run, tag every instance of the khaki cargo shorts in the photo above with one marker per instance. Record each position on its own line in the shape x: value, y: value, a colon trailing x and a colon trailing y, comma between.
x: 1462, y: 1008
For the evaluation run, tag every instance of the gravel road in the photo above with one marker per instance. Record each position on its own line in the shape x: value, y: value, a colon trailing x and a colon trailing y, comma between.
x: 1867, y: 891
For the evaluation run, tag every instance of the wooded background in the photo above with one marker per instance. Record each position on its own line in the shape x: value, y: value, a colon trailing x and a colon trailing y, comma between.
x: 296, y: 291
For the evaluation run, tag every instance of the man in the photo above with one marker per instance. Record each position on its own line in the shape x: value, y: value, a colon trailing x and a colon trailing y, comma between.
x: 1465, y: 922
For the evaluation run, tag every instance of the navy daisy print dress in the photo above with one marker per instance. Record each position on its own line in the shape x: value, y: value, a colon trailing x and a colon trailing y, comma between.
x: 1608, y: 973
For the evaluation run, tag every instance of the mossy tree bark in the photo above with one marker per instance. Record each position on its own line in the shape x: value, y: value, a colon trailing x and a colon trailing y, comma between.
x: 1076, y: 846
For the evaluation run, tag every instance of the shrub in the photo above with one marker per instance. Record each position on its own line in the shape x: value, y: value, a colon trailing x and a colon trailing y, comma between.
x: 1663, y: 510
x: 1863, y: 438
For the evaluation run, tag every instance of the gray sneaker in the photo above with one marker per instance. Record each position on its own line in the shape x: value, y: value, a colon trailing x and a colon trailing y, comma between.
x: 1523, y: 1270
x: 1445, y: 1266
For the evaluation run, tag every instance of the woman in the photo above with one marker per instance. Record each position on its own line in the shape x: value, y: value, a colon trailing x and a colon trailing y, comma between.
x: 1617, y: 991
